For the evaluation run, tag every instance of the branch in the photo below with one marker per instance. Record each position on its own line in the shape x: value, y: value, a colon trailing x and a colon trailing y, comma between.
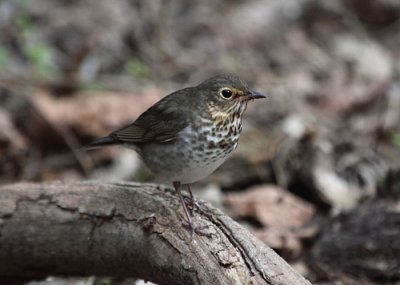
x: 127, y: 230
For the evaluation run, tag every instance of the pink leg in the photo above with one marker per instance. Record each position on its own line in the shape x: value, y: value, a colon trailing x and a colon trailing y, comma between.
x: 192, y: 201
x: 177, y: 186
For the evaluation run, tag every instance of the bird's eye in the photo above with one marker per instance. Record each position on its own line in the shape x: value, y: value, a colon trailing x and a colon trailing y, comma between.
x: 226, y: 93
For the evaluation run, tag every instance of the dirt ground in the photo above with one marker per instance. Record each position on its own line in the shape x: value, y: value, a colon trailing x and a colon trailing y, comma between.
x: 316, y: 175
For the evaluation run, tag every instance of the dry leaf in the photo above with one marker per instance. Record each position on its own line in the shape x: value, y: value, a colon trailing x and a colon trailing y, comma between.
x: 271, y: 206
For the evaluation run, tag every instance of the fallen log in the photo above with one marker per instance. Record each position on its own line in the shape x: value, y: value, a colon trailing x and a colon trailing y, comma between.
x: 127, y: 230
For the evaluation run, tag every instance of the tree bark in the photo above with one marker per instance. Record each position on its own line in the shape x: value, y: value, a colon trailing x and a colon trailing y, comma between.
x: 127, y: 230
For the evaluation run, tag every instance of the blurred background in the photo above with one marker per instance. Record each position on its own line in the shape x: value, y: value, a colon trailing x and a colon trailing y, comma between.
x: 316, y: 175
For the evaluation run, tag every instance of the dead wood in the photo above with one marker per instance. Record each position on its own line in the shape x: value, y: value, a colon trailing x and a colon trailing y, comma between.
x: 127, y: 230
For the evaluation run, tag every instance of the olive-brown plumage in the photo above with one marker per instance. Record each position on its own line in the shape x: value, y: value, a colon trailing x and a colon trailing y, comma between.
x: 186, y: 135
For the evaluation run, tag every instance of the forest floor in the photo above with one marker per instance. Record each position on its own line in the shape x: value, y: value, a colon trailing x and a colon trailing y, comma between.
x: 316, y: 175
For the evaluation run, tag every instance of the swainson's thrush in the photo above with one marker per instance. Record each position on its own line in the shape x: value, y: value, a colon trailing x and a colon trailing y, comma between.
x: 186, y: 135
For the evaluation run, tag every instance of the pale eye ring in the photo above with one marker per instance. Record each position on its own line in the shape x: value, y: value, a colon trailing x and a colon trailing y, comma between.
x: 226, y: 93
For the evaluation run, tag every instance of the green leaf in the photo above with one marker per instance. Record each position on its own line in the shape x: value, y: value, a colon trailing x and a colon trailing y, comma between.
x: 137, y: 68
x: 40, y: 55
x: 3, y: 57
x: 396, y: 139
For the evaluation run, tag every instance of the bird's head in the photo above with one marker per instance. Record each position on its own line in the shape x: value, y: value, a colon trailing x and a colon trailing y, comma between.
x: 226, y: 95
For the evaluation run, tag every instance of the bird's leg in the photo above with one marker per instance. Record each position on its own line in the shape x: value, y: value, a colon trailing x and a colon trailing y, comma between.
x: 177, y: 186
x: 193, y: 203
x: 195, y: 206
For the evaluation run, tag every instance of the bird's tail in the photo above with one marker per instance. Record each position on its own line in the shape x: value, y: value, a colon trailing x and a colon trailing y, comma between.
x: 102, y: 142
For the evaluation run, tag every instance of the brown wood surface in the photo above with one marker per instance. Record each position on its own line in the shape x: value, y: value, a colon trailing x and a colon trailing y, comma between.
x: 127, y: 230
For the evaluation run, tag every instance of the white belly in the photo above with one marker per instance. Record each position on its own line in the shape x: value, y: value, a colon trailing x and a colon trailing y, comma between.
x: 196, y: 173
x: 187, y: 159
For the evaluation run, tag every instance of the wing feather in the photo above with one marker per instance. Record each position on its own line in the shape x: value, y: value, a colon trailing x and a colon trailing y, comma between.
x: 161, y: 123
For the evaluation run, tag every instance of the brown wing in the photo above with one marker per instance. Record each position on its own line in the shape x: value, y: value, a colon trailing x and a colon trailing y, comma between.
x: 162, y: 123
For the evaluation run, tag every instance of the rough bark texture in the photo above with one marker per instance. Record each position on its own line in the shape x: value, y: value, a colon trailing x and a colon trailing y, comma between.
x: 127, y: 230
x: 362, y: 245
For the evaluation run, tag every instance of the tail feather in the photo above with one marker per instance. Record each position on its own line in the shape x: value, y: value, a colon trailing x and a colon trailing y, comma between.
x: 102, y: 142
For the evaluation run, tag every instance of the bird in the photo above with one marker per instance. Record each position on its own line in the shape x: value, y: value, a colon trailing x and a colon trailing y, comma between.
x: 189, y: 133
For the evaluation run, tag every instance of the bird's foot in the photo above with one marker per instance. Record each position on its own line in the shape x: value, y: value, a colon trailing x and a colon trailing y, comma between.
x: 198, y: 230
x: 196, y: 206
x: 193, y: 205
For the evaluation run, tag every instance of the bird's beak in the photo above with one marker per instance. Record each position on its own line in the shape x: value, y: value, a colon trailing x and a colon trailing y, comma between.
x: 255, y: 95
